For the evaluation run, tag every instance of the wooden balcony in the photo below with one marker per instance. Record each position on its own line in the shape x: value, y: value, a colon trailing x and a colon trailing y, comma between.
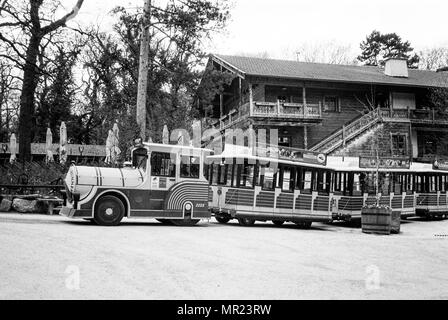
x: 274, y: 112
x: 290, y: 111
x: 427, y: 116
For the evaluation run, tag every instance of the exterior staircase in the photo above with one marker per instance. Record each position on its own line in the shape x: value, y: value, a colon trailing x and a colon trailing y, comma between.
x: 348, y: 133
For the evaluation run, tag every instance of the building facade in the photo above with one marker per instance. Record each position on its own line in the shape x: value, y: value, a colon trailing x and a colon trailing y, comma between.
x: 336, y: 109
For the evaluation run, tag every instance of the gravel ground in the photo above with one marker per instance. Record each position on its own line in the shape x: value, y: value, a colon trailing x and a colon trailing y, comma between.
x: 52, y: 257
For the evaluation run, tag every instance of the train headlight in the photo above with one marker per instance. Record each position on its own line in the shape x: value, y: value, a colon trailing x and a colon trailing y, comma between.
x: 188, y: 207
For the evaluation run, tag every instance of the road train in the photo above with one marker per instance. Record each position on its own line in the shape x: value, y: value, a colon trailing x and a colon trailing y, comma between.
x: 182, y: 184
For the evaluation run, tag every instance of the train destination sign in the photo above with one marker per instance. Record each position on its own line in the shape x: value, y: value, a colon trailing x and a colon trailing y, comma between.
x: 384, y: 163
x: 296, y: 155
x: 440, y: 164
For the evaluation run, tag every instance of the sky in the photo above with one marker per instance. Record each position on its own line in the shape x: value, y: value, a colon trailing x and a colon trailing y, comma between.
x: 280, y: 27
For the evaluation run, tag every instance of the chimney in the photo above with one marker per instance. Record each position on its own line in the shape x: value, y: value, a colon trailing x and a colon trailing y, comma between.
x: 396, y: 67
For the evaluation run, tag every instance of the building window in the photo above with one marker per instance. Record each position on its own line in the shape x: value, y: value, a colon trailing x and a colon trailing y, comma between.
x: 331, y: 104
x: 282, y: 99
x: 284, y: 141
x: 399, y: 144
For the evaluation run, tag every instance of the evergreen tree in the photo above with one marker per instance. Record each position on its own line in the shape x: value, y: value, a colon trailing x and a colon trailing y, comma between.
x: 379, y: 47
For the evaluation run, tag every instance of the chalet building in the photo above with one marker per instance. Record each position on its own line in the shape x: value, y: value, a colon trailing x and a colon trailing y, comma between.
x: 336, y: 109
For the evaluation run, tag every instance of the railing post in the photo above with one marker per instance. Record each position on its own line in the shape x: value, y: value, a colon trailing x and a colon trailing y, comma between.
x: 433, y: 115
x: 278, y: 107
x: 251, y: 101
x: 409, y: 112
x: 343, y: 135
x: 320, y: 109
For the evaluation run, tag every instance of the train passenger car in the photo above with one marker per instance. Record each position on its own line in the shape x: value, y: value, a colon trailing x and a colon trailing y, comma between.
x: 354, y: 185
x: 411, y: 188
x: 431, y: 185
x: 164, y: 182
x: 292, y: 186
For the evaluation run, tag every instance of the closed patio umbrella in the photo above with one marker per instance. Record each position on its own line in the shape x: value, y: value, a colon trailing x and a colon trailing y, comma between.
x: 13, y: 147
x: 63, y: 143
x: 49, y: 145
x: 165, y: 135
x: 109, y: 145
x: 115, y: 142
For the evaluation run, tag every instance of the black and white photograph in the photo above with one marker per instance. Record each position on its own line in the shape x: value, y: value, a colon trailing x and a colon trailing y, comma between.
x: 223, y: 150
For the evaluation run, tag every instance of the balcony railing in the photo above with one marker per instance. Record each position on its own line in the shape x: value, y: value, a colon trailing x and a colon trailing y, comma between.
x: 428, y: 116
x: 272, y: 111
x: 282, y: 110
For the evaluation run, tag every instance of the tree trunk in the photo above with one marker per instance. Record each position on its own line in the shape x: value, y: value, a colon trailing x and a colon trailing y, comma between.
x: 143, y: 70
x: 30, y: 78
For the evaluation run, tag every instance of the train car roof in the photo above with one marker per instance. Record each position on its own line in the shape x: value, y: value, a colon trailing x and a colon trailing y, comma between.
x: 334, y: 163
x: 352, y: 164
x: 173, y: 146
x: 240, y: 152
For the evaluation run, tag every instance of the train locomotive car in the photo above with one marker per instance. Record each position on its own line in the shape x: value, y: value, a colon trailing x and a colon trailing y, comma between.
x: 164, y: 182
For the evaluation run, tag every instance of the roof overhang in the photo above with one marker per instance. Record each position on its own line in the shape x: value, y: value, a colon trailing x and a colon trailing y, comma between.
x: 240, y: 73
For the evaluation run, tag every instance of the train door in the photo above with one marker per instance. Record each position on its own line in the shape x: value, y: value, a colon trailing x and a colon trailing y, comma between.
x: 163, y: 175
x: 265, y: 190
x: 348, y: 189
x: 284, y: 193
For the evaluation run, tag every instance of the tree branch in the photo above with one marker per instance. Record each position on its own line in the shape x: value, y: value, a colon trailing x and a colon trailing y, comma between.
x: 62, y: 21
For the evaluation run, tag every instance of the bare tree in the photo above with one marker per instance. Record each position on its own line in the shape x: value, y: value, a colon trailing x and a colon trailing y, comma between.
x: 433, y: 59
x: 26, y: 29
x: 327, y: 52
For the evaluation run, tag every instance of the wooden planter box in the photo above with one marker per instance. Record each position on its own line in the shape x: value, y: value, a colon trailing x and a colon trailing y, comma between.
x: 380, y: 220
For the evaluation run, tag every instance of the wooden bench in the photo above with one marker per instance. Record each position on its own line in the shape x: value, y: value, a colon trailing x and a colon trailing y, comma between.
x: 51, y: 204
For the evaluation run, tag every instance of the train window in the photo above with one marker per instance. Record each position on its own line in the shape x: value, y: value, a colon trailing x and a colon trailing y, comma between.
x: 432, y: 184
x: 287, y: 178
x: 299, y: 178
x: 370, y: 183
x: 222, y: 174
x: 396, y: 183
x: 384, y: 183
x: 307, y: 180
x: 163, y: 164
x: 216, y: 168
x: 229, y: 179
x: 206, y: 171
x: 323, y: 181
x: 139, y: 157
x: 339, y: 182
x: 357, y: 189
x: 268, y: 177
x: 247, y: 176
x: 443, y: 181
x: 189, y: 167
x: 410, y: 184
x: 418, y: 183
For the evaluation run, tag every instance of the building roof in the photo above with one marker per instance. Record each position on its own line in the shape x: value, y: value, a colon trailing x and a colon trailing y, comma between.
x: 328, y: 72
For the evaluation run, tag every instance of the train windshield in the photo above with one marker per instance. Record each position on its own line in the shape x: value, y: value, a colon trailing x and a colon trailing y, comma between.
x: 139, y: 157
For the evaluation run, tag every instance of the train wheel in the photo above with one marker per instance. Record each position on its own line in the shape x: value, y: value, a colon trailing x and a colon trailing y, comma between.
x: 246, y: 221
x: 222, y: 219
x: 164, y: 221
x: 187, y: 222
x: 278, y: 222
x: 109, y: 211
x: 303, y: 224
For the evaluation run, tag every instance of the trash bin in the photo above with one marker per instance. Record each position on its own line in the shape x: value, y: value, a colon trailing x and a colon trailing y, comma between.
x: 380, y: 220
